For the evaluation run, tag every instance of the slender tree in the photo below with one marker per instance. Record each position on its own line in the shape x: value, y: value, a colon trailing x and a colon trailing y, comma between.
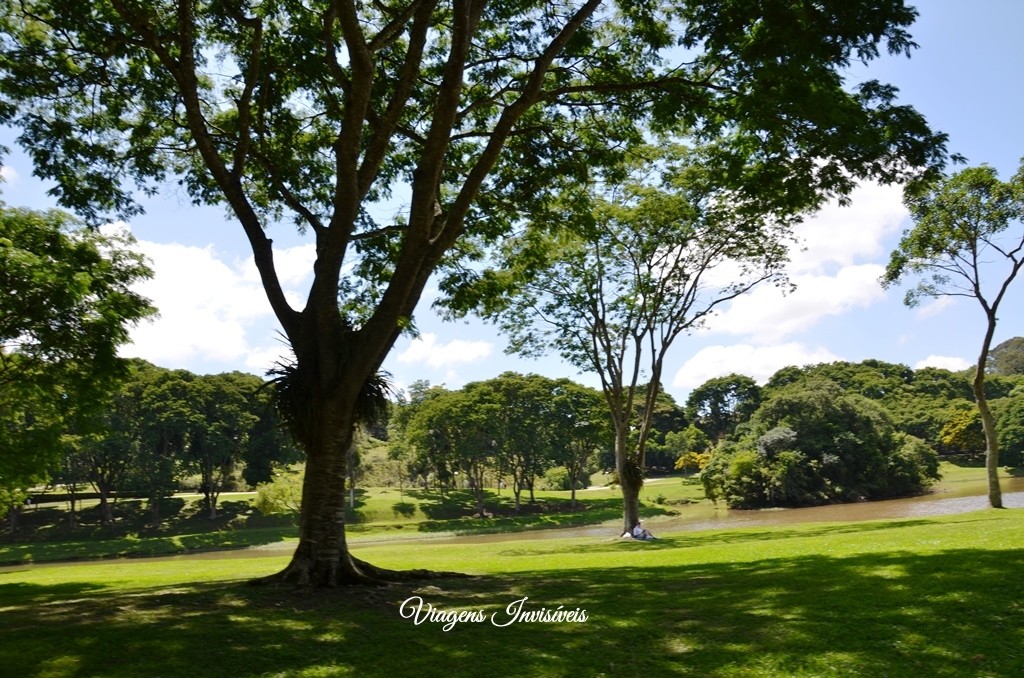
x: 968, y: 241
x: 466, y: 111
x: 641, y: 264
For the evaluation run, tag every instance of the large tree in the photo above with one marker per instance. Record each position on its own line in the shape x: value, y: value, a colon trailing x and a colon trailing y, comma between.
x: 720, y: 403
x: 466, y: 111
x: 967, y: 241
x: 66, y: 304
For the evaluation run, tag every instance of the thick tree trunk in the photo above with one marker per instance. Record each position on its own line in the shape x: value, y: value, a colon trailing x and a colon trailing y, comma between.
x: 630, y: 504
x: 323, y: 558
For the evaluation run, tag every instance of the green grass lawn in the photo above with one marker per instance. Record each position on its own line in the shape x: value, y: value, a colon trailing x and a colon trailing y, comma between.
x: 919, y: 597
x: 380, y: 513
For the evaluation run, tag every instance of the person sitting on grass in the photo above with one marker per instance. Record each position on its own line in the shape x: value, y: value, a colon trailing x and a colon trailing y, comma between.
x: 639, y: 532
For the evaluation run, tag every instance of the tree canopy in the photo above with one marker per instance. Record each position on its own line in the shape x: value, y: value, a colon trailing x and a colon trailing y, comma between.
x: 719, y: 404
x: 469, y: 113
x: 813, y: 443
x: 1007, y: 358
x: 66, y: 305
x: 65, y: 293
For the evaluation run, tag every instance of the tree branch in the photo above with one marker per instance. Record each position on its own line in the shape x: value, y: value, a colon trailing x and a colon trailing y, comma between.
x: 386, y: 126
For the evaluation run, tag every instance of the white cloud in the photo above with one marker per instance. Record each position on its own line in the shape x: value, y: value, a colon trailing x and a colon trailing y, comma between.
x: 294, y: 265
x: 261, y: 359
x: 8, y: 174
x: 835, y: 271
x: 951, y: 363
x: 212, y: 311
x: 759, y: 362
x: 766, y: 314
x: 426, y: 349
x: 840, y: 236
x: 205, y: 307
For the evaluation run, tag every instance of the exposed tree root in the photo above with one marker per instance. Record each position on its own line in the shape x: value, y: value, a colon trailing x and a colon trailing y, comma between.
x: 354, y: 572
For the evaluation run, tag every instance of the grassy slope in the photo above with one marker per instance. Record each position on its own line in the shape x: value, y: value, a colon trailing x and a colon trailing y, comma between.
x: 934, y: 597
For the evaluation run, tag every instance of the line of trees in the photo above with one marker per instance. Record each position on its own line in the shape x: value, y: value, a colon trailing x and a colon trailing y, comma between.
x: 816, y: 434
x: 513, y: 427
x: 160, y: 427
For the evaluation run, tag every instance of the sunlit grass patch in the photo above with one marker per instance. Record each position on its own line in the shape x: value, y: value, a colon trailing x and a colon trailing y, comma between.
x: 910, y: 597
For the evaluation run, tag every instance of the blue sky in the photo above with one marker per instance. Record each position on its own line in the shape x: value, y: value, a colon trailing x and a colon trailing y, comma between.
x: 965, y: 78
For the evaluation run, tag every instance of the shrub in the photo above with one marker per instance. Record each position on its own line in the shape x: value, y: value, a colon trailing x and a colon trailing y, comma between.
x: 557, y: 478
x: 283, y: 494
x: 813, y: 443
x: 913, y: 467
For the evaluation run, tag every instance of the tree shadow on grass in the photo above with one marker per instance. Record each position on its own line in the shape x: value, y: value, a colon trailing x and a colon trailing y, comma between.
x: 947, y: 613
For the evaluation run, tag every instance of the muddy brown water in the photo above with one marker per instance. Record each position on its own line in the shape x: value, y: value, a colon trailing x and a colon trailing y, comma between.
x: 694, y: 517
x: 705, y: 516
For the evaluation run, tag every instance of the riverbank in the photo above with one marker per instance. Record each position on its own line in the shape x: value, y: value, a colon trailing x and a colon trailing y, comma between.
x: 391, y: 516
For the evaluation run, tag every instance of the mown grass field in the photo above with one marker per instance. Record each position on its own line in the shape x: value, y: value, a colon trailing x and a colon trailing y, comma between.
x: 936, y: 596
x: 930, y: 597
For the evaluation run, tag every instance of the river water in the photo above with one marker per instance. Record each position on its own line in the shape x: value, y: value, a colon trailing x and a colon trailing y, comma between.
x: 692, y: 517
x: 706, y: 516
